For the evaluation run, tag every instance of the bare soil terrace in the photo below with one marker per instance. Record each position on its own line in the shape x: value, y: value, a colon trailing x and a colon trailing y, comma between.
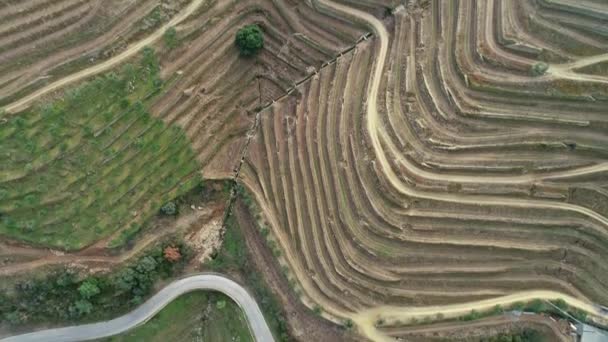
x: 426, y: 167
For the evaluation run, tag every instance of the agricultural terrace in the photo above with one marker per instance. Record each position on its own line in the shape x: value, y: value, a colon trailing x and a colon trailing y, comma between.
x: 469, y: 179
x: 42, y: 41
x: 407, y: 158
x: 80, y: 168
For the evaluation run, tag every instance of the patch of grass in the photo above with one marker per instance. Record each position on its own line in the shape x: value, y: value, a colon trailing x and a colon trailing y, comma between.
x: 78, y: 169
x: 195, y: 316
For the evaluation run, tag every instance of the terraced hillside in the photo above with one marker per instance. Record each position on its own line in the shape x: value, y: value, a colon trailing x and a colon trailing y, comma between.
x: 211, y: 96
x: 44, y: 40
x: 413, y: 159
x: 454, y: 173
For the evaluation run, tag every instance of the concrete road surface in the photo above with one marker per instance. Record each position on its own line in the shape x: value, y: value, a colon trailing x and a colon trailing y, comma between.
x: 146, y: 311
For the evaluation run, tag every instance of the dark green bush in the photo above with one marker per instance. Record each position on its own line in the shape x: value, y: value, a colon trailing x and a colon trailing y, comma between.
x: 249, y: 39
x: 539, y: 69
x: 170, y: 38
x: 169, y: 209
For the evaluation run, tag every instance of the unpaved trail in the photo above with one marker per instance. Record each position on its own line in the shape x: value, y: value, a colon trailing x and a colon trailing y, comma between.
x: 131, y: 50
x: 566, y: 70
x: 565, y: 73
x: 367, y: 318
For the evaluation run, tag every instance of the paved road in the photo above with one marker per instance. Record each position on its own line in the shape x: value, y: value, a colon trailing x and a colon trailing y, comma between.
x: 214, y: 282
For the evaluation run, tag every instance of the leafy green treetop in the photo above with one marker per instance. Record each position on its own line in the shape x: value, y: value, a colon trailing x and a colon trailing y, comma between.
x: 249, y: 39
x: 89, y: 289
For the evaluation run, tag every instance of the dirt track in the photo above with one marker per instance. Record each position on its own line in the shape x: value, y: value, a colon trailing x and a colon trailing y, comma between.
x: 133, y: 49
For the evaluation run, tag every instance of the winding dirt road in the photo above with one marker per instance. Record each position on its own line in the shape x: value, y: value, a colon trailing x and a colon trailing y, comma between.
x: 214, y: 282
x: 131, y: 50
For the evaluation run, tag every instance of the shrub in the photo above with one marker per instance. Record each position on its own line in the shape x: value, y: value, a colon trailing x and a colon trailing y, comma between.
x: 317, y: 309
x: 169, y: 209
x: 536, y: 306
x: 496, y: 310
x: 83, y: 307
x: 519, y: 306
x: 560, y: 303
x: 471, y: 316
x: 580, y: 315
x: 539, y: 69
x: 249, y: 39
x: 170, y: 38
x: 349, y: 324
x: 89, y: 289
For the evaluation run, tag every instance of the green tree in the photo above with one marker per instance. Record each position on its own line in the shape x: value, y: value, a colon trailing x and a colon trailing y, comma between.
x: 249, y: 39
x: 220, y: 304
x: 89, y: 289
x: 146, y: 265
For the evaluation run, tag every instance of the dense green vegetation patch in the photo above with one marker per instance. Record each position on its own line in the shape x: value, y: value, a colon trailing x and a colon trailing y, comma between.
x: 196, y: 316
x: 78, y: 169
x: 64, y: 295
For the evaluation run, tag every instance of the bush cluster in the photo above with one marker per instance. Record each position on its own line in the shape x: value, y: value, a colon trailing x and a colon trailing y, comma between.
x: 65, y: 296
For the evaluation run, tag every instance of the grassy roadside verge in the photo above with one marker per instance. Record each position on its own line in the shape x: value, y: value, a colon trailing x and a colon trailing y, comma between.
x: 195, y: 316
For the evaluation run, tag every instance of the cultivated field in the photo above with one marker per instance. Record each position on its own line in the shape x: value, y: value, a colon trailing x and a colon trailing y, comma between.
x: 413, y: 159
